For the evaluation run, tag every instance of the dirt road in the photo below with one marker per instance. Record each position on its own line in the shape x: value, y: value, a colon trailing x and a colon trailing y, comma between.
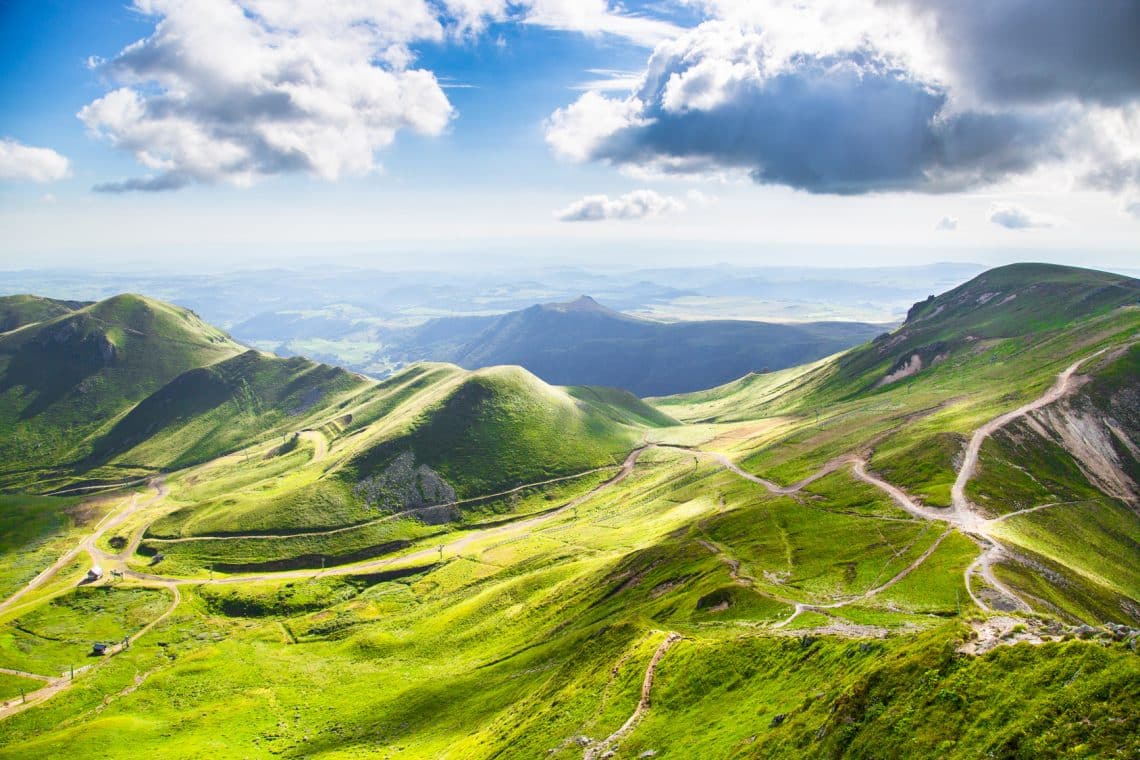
x: 112, y: 519
x: 600, y: 748
x: 56, y: 685
x: 960, y: 504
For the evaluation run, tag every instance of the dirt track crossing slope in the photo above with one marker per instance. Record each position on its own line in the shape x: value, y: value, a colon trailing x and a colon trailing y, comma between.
x: 600, y: 748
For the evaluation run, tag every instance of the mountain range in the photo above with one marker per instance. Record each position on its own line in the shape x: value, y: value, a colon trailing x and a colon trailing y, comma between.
x: 582, y: 342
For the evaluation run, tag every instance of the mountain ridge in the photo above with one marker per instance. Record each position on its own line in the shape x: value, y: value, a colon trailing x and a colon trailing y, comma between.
x: 582, y: 342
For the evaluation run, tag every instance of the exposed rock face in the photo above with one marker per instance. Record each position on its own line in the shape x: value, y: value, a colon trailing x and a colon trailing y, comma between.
x: 1095, y: 441
x: 402, y: 485
x: 913, y: 363
x: 1102, y: 438
x: 911, y: 367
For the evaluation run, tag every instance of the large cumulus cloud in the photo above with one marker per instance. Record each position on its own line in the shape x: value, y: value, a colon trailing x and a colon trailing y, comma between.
x: 234, y: 90
x: 230, y: 91
x: 1037, y: 51
x: 826, y: 99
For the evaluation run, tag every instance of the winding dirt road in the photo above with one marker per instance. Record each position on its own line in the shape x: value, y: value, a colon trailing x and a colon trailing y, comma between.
x: 56, y: 685
x: 111, y: 520
x: 600, y: 748
x: 964, y: 514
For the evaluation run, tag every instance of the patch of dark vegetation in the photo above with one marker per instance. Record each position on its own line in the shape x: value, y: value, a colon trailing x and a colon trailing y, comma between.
x: 310, y: 561
x: 287, y: 447
x: 718, y: 600
x: 287, y: 599
x: 371, y: 579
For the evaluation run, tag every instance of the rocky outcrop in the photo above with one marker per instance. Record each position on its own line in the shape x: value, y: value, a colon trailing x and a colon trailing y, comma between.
x: 403, y: 486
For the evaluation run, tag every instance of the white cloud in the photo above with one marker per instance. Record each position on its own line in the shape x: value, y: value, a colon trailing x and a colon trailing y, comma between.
x: 864, y: 96
x: 25, y: 162
x: 847, y: 122
x: 700, y: 198
x: 594, y: 17
x: 472, y: 16
x: 234, y: 90
x: 611, y: 80
x: 1014, y: 217
x: 947, y: 224
x: 638, y: 204
x: 574, y: 131
x: 1132, y: 207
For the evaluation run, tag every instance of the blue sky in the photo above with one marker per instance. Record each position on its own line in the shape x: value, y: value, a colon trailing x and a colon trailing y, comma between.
x: 254, y: 130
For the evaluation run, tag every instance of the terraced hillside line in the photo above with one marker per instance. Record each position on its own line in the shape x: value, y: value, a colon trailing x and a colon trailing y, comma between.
x: 598, y: 749
x: 320, y: 443
x: 964, y: 514
x: 1020, y: 512
x: 56, y: 685
x: 23, y: 674
x: 102, y: 487
x: 378, y: 520
x: 430, y: 554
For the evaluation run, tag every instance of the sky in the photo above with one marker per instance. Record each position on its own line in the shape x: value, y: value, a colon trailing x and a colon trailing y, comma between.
x: 217, y: 133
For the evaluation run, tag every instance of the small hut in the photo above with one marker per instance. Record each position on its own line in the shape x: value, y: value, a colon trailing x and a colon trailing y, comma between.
x: 95, y: 573
x: 99, y: 648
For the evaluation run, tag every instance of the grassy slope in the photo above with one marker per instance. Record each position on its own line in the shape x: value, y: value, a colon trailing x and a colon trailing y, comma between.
x: 501, y: 427
x: 64, y: 381
x: 210, y: 411
x: 485, y: 432
x: 515, y: 648
x: 34, y: 530
x: 17, y: 311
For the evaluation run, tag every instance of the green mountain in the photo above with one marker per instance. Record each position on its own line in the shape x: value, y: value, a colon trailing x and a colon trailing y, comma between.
x: 500, y: 427
x: 464, y: 434
x: 65, y: 380
x: 18, y: 311
x: 210, y: 411
x: 821, y: 561
x: 1007, y: 302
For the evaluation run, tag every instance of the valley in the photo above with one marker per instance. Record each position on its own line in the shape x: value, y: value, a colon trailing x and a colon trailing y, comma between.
x: 833, y: 559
